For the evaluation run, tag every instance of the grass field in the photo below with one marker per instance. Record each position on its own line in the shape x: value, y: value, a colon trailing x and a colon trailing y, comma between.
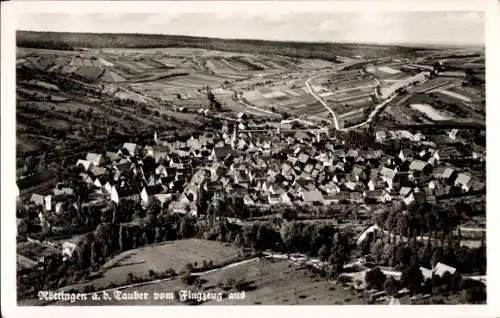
x: 161, y: 257
x: 269, y: 283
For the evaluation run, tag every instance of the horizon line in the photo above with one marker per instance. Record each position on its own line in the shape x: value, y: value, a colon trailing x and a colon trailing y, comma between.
x: 397, y: 43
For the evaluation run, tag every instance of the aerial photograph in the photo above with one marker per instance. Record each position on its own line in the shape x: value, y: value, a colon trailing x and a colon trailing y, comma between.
x: 251, y: 157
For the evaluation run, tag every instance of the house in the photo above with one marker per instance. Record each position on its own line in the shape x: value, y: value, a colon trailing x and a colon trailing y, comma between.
x: 303, y: 158
x: 426, y: 273
x: 388, y: 176
x: 236, y: 188
x: 112, y: 156
x: 378, y: 195
x: 275, y: 188
x: 37, y: 199
x: 404, y: 192
x: 257, y: 176
x: 241, y: 177
x: 337, y: 197
x: 160, y: 155
x: 286, y: 198
x: 62, y: 189
x: 149, y: 191
x: 163, y: 198
x: 247, y: 200
x: 358, y: 172
x: 312, y: 196
x: 96, y: 159
x: 355, y: 197
x: 405, y: 154
x: 68, y: 248
x: 463, y: 181
x: 419, y: 166
x: 274, y: 198
x: 350, y: 185
x: 98, y: 171
x: 436, y: 187
x: 220, y: 152
x: 212, y: 186
x: 440, y: 268
x: 444, y: 173
x: 380, y: 135
x: 85, y: 164
x: 330, y: 187
x: 442, y: 155
x: 130, y: 147
x: 183, y: 208
x: 352, y: 153
x: 417, y: 197
x: 308, y: 168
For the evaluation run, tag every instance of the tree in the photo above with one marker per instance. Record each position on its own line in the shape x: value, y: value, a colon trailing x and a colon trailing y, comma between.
x: 122, y: 239
x: 411, y: 277
x: 238, y: 240
x: 186, y: 229
x: 391, y: 285
x: 288, y: 234
x: 323, y: 253
x: 475, y: 295
x: 437, y: 256
x: 375, y: 278
x: 377, y: 250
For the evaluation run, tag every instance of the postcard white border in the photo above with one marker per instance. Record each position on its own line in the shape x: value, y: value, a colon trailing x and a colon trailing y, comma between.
x: 11, y: 10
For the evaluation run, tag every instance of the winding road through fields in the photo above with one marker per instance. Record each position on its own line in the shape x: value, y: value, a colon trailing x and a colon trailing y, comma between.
x: 319, y: 99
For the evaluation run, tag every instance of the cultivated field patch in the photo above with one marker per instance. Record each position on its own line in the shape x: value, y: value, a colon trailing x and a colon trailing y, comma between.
x: 429, y: 111
x: 160, y: 257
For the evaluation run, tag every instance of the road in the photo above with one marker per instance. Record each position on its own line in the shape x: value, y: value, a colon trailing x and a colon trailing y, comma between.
x: 257, y: 108
x: 151, y: 282
x: 137, y: 94
x: 372, y: 114
x: 319, y: 99
x: 370, y: 117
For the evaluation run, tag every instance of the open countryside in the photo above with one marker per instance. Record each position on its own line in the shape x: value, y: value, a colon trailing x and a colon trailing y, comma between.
x: 263, y: 172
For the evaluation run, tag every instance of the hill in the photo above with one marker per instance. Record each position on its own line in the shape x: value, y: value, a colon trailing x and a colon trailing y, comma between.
x: 327, y: 51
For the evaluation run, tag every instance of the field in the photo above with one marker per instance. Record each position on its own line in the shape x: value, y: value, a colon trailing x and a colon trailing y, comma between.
x: 429, y: 111
x: 161, y: 257
x: 290, y: 99
x: 268, y: 283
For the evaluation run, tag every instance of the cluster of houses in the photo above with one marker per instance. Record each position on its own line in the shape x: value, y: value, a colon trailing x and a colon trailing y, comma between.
x: 264, y: 169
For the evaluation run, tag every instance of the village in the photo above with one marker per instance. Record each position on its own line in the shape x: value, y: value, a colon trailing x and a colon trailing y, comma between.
x: 268, y: 170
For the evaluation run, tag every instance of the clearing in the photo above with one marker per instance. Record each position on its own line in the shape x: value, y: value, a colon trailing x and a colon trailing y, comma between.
x: 175, y: 254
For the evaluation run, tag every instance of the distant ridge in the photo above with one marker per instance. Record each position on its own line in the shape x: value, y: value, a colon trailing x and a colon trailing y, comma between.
x: 326, y: 51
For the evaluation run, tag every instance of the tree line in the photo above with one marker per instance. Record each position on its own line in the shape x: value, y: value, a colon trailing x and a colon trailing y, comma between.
x: 326, y: 51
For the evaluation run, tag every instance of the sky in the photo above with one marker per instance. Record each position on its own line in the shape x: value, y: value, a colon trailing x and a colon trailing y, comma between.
x: 385, y: 27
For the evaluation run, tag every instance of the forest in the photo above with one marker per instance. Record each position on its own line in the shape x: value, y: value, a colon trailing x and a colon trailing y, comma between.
x: 326, y: 51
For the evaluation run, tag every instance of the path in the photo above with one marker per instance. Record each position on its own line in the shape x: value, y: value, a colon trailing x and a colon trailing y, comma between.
x: 156, y: 281
x: 319, y: 99
x: 137, y: 94
x: 372, y: 114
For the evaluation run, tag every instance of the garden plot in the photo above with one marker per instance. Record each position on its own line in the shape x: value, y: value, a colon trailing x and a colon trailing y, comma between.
x: 429, y: 111
x: 456, y: 95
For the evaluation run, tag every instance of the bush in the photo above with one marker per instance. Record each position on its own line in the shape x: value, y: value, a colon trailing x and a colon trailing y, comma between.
x: 375, y: 278
x: 198, y: 283
x: 152, y: 273
x: 131, y: 278
x: 188, y: 279
x: 439, y: 300
x: 475, y: 295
